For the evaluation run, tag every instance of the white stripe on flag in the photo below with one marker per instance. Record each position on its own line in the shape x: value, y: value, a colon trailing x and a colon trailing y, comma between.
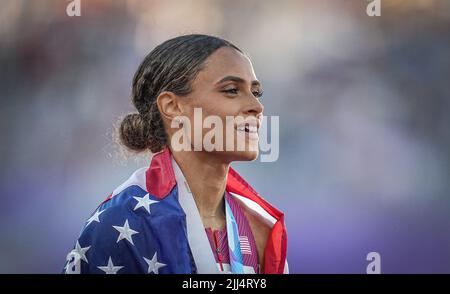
x: 245, y: 245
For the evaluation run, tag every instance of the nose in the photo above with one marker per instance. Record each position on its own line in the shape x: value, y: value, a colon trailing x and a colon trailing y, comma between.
x: 254, y: 107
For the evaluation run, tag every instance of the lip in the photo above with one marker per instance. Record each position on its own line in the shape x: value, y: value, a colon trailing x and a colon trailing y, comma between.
x: 254, y: 123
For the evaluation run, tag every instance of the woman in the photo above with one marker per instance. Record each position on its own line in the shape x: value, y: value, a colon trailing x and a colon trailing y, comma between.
x: 189, y: 211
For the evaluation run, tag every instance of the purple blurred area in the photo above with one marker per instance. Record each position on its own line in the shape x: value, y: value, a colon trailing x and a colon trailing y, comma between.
x: 363, y: 102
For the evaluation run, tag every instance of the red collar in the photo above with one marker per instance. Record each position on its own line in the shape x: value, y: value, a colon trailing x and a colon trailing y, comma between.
x: 160, y: 180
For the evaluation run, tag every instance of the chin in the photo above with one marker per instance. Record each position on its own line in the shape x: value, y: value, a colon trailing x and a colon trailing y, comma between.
x: 244, y: 155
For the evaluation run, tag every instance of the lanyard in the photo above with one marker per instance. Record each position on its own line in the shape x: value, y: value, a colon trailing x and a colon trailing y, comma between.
x: 234, y: 245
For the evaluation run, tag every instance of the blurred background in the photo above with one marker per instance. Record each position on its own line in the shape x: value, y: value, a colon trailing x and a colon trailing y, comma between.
x: 363, y: 102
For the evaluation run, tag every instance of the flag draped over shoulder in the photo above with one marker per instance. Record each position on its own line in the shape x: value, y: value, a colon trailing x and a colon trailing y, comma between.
x: 150, y: 224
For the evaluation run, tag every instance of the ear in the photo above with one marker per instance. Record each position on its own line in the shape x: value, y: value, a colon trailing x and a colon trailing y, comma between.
x: 169, y: 105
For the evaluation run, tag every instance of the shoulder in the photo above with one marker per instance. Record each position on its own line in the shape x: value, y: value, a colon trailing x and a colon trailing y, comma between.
x: 128, y: 202
x: 117, y: 234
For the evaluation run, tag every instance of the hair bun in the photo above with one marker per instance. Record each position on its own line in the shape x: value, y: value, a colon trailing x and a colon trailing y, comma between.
x: 133, y: 132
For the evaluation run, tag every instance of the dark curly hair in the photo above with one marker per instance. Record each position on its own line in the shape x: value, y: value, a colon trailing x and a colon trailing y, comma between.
x: 171, y: 66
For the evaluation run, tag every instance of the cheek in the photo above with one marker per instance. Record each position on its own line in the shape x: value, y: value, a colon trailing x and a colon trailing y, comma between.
x: 214, y: 107
x: 227, y: 108
x: 221, y: 106
x: 206, y: 116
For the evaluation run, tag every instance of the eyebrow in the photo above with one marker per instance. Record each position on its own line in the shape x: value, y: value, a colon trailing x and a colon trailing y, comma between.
x: 237, y: 80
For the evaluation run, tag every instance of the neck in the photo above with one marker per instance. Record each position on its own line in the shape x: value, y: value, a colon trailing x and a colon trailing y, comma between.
x: 207, y: 178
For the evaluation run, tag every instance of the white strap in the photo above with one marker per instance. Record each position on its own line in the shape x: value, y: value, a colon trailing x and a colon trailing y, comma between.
x: 198, y: 240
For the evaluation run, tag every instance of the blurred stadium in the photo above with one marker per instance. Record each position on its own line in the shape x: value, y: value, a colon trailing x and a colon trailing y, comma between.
x: 363, y: 102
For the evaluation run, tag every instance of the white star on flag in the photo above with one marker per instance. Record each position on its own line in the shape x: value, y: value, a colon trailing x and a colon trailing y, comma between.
x: 110, y: 269
x: 153, y: 264
x: 125, y: 232
x: 81, y: 251
x: 94, y: 217
x: 144, y: 202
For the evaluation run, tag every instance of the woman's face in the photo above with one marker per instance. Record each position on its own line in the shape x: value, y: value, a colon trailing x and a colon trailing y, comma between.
x: 226, y: 87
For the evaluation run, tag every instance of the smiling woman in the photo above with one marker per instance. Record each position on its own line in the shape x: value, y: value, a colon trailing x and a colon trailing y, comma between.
x: 189, y: 211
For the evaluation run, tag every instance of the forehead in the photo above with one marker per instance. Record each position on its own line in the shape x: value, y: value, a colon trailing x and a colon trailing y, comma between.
x: 224, y: 62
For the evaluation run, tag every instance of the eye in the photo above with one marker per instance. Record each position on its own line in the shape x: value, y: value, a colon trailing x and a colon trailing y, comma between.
x: 232, y: 91
x: 258, y: 93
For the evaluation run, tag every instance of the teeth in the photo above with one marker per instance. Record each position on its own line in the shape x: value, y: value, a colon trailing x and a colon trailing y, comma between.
x: 249, y: 129
x: 253, y: 129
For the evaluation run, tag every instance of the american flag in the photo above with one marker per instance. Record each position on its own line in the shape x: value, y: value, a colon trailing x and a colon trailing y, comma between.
x: 245, y: 245
x: 148, y: 224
